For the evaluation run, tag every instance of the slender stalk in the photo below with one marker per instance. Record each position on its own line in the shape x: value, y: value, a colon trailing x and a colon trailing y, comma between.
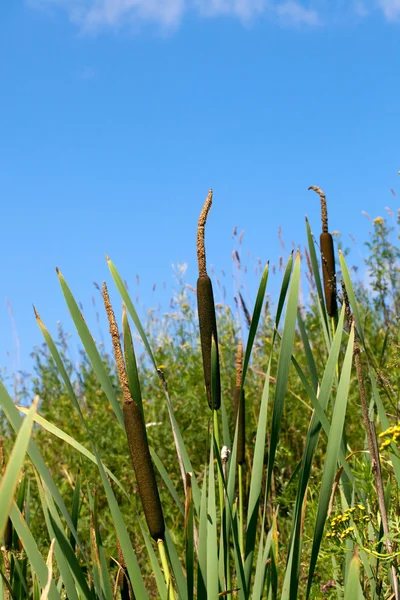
x: 165, y: 566
x: 220, y: 482
x: 241, y: 515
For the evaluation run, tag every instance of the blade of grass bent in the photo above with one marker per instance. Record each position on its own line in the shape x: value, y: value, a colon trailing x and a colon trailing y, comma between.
x: 53, y: 429
x: 91, y: 348
x: 332, y: 455
x: 10, y: 479
x: 283, y: 365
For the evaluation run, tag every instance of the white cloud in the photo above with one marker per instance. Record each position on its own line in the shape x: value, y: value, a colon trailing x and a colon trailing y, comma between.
x: 294, y: 13
x: 112, y: 12
x: 245, y: 9
x: 391, y: 9
x: 98, y: 14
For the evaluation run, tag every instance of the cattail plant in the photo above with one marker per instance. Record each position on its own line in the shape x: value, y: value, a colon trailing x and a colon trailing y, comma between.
x: 206, y: 310
x: 137, y: 437
x: 238, y: 406
x: 327, y: 257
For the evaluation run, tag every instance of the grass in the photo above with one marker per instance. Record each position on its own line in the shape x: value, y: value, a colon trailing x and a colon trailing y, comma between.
x: 309, y: 511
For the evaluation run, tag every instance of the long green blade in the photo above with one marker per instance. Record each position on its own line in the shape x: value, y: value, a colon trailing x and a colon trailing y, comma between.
x: 9, y: 482
x: 332, y: 455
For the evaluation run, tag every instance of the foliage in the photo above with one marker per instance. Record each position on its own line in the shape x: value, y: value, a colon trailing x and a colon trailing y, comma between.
x: 300, y: 518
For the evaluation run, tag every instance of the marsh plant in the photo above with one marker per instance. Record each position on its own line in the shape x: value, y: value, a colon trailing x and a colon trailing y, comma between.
x: 254, y: 462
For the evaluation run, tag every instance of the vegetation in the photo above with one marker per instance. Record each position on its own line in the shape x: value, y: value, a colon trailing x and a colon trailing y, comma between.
x: 260, y: 461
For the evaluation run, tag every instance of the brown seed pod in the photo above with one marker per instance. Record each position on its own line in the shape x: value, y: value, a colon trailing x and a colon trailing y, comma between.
x: 206, y: 311
x: 328, y: 272
x: 238, y: 406
x: 208, y: 331
x: 327, y: 257
x: 144, y: 471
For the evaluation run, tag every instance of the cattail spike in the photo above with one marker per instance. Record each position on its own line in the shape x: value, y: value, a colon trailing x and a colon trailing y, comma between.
x: 239, y: 364
x: 116, y: 342
x: 137, y: 437
x: 144, y: 470
x: 324, y: 211
x: 327, y: 257
x: 201, y: 252
x: 206, y: 312
x: 239, y: 406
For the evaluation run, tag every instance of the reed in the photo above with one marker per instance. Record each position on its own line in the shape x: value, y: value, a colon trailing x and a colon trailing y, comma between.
x: 327, y: 257
x: 206, y: 311
x: 137, y: 437
x: 239, y: 406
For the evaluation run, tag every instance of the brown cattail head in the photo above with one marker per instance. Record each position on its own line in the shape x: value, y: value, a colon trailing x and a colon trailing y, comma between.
x: 206, y: 311
x: 144, y: 471
x: 239, y: 406
x: 208, y: 331
x: 328, y: 272
x: 137, y: 437
x: 327, y: 257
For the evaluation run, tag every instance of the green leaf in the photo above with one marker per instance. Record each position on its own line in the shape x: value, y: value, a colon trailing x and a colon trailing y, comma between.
x: 352, y: 590
x: 91, y: 349
x: 212, y: 541
x: 256, y: 479
x: 9, y: 482
x: 73, y: 443
x: 283, y: 365
x: 254, y: 320
x: 332, y: 455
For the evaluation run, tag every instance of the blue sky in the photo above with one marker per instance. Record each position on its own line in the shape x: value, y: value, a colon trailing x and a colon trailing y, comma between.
x: 118, y: 115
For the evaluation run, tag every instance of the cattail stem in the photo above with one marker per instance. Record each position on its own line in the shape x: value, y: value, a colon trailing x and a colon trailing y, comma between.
x: 220, y: 482
x: 165, y: 566
x: 241, y: 512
